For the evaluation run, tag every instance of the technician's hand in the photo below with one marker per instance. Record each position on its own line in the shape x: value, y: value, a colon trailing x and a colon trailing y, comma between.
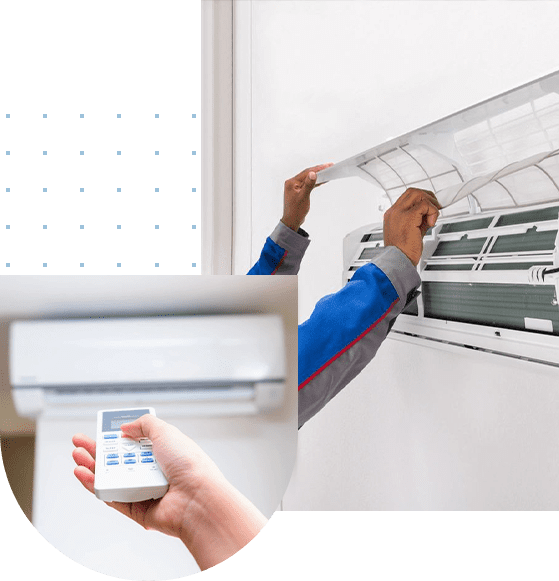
x: 408, y: 219
x: 297, y: 196
x: 211, y: 517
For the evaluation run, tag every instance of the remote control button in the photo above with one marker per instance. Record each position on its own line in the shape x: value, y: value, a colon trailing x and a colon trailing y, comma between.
x: 111, y: 456
x: 110, y: 448
x: 146, y: 453
x: 112, y: 462
x: 130, y: 455
x: 109, y: 436
x: 128, y: 446
x: 147, y: 460
x: 130, y: 461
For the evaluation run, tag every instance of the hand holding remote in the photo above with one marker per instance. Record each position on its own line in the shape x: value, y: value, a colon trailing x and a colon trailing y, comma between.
x: 211, y: 517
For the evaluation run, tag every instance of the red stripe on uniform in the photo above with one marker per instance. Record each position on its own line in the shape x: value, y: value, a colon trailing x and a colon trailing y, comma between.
x: 347, y: 346
x: 279, y: 263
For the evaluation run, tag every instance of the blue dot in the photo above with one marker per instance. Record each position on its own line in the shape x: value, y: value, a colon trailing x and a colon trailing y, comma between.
x: 157, y: 226
x: 81, y: 152
x: 7, y: 189
x: 194, y: 226
x: 157, y: 115
x: 118, y: 227
x: 8, y: 264
x: 44, y: 152
x: 7, y: 153
x: 118, y: 152
x: 44, y: 189
x: 193, y: 153
x: 193, y: 264
x: 118, y: 189
x: 81, y: 189
x: 81, y: 115
x: 118, y: 264
x: 44, y: 264
x: 81, y: 264
x: 7, y: 226
x: 156, y: 189
x: 7, y: 115
x: 193, y: 189
x: 81, y: 226
x: 157, y: 265
x: 44, y: 115
x: 118, y: 115
x: 157, y: 153
x: 193, y: 115
x: 44, y: 226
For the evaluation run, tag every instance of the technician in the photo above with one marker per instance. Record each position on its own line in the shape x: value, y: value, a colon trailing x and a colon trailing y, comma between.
x: 346, y: 329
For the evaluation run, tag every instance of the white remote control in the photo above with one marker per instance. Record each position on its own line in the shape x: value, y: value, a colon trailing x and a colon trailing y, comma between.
x: 125, y: 470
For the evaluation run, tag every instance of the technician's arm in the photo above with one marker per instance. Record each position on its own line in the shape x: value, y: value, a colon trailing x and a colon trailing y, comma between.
x: 346, y: 329
x: 285, y: 247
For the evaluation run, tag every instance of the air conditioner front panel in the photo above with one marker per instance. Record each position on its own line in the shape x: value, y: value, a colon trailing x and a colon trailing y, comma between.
x: 157, y: 350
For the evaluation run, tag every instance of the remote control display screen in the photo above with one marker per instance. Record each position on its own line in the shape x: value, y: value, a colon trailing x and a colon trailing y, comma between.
x: 113, y: 420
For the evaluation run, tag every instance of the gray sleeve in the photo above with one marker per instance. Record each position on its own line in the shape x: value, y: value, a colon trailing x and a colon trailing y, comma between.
x: 294, y: 243
x: 332, y: 377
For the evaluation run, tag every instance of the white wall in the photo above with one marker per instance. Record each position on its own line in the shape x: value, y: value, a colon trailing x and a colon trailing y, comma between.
x: 421, y: 428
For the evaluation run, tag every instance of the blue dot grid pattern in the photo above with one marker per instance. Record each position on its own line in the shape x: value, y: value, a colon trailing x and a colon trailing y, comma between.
x: 118, y: 264
x: 82, y: 190
x: 193, y: 115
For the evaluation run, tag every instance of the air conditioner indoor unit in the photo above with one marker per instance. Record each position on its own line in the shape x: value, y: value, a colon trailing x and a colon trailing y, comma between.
x: 490, y: 266
x: 195, y: 365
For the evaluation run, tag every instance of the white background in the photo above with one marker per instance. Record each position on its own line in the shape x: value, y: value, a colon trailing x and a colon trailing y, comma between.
x: 420, y: 428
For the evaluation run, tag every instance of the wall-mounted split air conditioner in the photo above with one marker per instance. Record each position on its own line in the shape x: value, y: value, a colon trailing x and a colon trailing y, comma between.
x: 489, y: 269
x: 199, y: 365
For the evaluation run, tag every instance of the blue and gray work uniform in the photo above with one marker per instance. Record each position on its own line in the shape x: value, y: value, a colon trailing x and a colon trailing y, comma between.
x: 346, y: 328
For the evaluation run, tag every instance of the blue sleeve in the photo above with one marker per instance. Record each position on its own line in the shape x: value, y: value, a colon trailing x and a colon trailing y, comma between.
x: 270, y: 260
x: 346, y: 329
x: 283, y: 252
